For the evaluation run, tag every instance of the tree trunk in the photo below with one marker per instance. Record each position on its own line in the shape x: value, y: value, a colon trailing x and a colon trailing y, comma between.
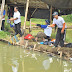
x: 26, y: 12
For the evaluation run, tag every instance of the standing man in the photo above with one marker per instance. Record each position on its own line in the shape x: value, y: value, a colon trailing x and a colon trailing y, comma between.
x: 17, y: 21
x: 59, y: 21
x: 3, y: 20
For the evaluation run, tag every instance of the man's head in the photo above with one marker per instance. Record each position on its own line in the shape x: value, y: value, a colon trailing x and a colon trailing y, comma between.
x: 55, y: 15
x: 16, y: 9
x: 47, y: 22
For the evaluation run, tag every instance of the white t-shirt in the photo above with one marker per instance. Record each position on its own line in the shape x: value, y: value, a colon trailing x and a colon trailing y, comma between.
x: 17, y: 15
x: 3, y: 19
x: 59, y: 22
x: 48, y: 31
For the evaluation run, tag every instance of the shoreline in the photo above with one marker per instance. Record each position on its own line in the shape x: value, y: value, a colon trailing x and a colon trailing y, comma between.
x: 62, y: 53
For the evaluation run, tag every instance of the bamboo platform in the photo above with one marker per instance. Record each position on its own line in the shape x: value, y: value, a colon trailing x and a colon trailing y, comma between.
x: 36, y: 27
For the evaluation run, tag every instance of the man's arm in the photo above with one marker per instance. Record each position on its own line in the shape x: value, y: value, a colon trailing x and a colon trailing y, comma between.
x: 3, y: 16
x: 62, y: 31
x: 12, y: 19
x: 39, y: 25
x: 52, y: 25
x: 42, y: 26
x: 33, y: 23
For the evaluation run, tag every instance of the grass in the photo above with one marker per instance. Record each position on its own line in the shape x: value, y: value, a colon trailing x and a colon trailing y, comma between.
x: 69, y: 36
x: 4, y: 35
x: 34, y: 20
x: 67, y: 18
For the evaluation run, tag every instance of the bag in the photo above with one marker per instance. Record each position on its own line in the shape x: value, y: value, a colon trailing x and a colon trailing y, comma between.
x: 41, y: 42
x: 28, y: 37
x: 53, y: 40
x: 46, y: 43
x: 69, y: 45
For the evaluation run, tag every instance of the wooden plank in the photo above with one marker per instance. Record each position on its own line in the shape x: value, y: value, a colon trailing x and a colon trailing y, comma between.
x: 39, y: 28
x: 33, y: 12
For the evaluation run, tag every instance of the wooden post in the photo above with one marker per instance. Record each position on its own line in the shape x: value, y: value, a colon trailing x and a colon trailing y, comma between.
x: 26, y: 44
x: 34, y: 47
x: 26, y: 12
x: 51, y: 14
x: 61, y: 54
x: 30, y: 26
x: 2, y: 9
x: 30, y: 23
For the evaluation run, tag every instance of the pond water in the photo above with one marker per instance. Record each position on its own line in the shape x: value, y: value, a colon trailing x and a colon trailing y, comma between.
x: 16, y: 59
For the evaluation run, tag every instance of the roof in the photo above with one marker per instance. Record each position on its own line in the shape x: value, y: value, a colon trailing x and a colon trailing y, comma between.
x: 44, y: 4
x: 59, y: 3
x: 32, y: 3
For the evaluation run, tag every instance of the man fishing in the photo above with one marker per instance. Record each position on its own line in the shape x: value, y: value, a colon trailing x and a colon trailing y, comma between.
x: 17, y: 21
x: 47, y: 31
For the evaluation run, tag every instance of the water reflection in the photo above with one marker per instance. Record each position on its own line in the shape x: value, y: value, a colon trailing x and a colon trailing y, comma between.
x: 46, y: 64
x: 16, y: 59
x: 15, y: 66
x: 67, y: 67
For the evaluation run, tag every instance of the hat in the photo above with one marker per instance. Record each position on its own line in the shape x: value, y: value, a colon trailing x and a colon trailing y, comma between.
x: 47, y: 21
x: 55, y: 13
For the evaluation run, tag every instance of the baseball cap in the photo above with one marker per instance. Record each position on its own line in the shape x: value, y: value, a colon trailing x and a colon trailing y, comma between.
x: 55, y: 13
x: 47, y: 21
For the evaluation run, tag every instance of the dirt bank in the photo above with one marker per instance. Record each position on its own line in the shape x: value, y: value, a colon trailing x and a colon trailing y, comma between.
x: 64, y: 53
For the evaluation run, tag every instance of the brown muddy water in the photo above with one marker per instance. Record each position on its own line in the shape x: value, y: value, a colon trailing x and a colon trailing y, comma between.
x: 16, y: 59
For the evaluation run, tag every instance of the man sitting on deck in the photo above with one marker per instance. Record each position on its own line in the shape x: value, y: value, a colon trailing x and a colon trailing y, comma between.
x: 47, y: 31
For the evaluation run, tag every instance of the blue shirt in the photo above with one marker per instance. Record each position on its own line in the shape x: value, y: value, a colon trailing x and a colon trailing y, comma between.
x: 44, y: 26
x: 4, y: 12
